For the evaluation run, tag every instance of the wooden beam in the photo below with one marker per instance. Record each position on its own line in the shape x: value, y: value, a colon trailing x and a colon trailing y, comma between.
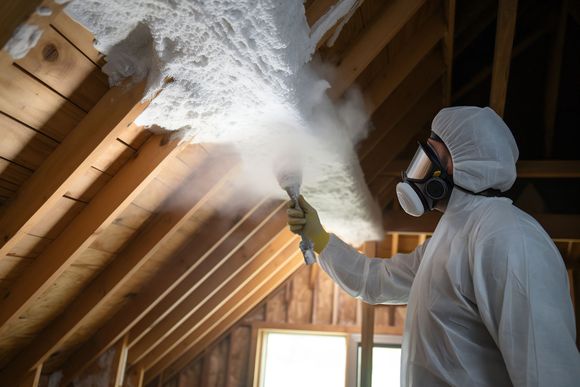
x: 83, y: 230
x: 32, y: 378
x: 219, y: 233
x: 225, y: 280
x: 449, y: 6
x: 79, y: 150
x: 119, y: 362
x: 317, y: 9
x: 403, y: 63
x: 374, y: 38
x: 553, y: 78
x: 504, y: 39
x: 227, y: 316
x: 176, y: 210
x: 402, y: 100
x: 367, y: 329
x: 558, y: 226
x: 527, y: 169
x: 252, y: 275
x: 390, y: 145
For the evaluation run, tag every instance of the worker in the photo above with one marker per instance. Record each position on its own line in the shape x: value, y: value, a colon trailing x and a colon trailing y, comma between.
x: 487, y: 294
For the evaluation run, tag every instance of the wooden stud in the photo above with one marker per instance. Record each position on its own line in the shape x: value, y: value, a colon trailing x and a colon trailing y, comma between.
x: 119, y: 362
x: 32, y: 378
x: 232, y: 312
x: 374, y: 38
x: 553, y: 79
x: 218, y: 232
x: 367, y: 330
x: 101, y: 127
x: 504, y: 39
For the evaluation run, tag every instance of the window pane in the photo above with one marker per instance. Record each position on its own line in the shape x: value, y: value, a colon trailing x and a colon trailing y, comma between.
x: 386, y: 366
x: 303, y: 360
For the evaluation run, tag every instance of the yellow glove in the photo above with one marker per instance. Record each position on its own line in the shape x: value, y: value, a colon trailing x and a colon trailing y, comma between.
x: 306, y: 221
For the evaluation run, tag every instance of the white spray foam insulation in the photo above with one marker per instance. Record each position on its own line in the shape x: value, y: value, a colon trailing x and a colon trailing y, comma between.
x: 241, y: 75
x: 23, y: 40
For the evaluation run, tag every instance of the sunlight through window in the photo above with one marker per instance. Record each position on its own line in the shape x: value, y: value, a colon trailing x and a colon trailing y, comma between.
x: 304, y: 360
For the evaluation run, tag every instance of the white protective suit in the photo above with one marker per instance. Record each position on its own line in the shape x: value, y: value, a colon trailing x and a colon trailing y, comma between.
x: 488, y: 299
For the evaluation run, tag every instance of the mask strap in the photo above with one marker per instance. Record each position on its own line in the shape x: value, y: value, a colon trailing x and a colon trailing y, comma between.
x: 490, y: 193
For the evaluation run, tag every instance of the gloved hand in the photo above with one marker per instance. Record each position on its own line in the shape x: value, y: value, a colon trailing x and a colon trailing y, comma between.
x: 306, y: 221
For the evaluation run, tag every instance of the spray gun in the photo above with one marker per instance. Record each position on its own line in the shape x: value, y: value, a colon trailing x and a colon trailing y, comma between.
x: 290, y: 180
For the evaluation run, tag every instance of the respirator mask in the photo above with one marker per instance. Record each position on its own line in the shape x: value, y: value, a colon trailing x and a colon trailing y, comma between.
x: 425, y: 182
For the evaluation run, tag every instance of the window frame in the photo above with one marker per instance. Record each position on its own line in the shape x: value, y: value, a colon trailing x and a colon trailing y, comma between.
x: 354, y: 344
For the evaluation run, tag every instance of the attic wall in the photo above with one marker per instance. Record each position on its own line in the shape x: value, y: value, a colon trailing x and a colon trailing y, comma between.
x: 307, y: 300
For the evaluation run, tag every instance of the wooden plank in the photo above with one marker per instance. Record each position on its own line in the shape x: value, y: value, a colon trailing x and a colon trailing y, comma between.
x: 32, y: 103
x: 317, y: 9
x: 375, y: 37
x: 69, y: 161
x: 449, y: 6
x: 12, y: 14
x: 58, y: 64
x: 426, y: 37
x: 83, y: 230
x: 24, y: 145
x: 176, y: 305
x: 216, y: 232
x: 246, y: 298
x: 504, y: 39
x: 528, y: 169
x: 216, y: 289
x: 79, y: 36
x: 553, y: 79
x: 402, y: 101
x: 299, y: 305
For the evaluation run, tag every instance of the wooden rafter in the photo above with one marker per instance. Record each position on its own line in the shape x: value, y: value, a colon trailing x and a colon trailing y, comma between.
x: 210, y: 303
x: 177, y: 209
x: 426, y: 37
x: 394, y: 16
x: 100, y: 212
x: 246, y: 299
x: 504, y: 39
x: 14, y: 13
x: 224, y: 280
x: 219, y: 237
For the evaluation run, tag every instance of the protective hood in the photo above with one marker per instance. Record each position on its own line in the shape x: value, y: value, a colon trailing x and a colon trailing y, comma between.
x: 482, y: 148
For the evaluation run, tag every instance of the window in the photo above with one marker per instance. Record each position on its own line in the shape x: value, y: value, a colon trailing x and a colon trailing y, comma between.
x: 386, y: 361
x: 298, y: 358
